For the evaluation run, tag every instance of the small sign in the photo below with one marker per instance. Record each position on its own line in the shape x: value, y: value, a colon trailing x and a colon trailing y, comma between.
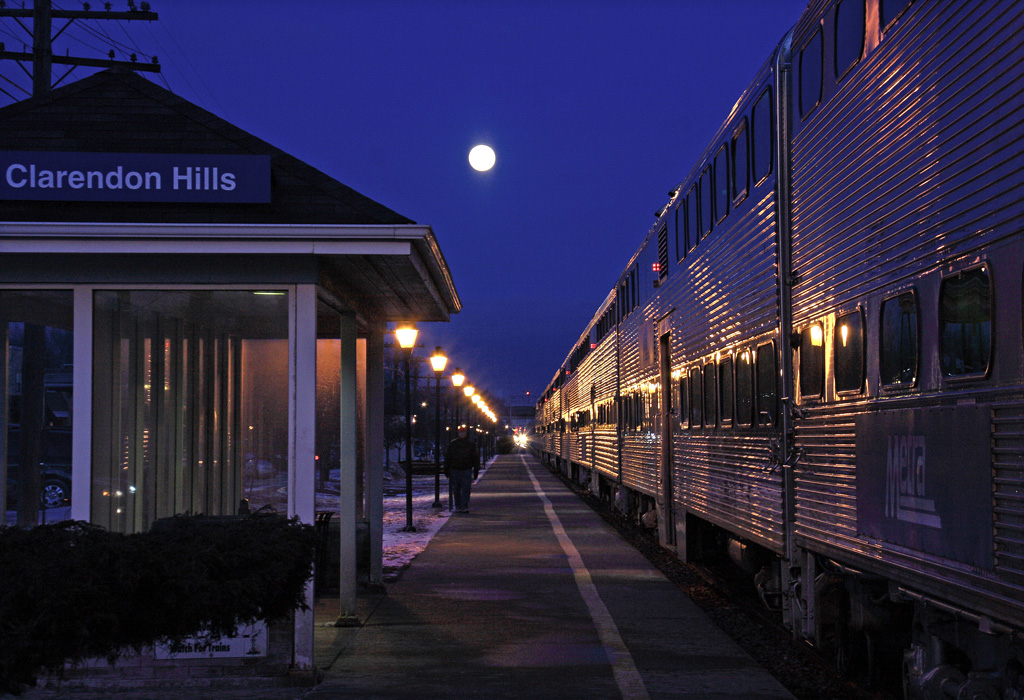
x: 249, y: 641
x: 134, y: 177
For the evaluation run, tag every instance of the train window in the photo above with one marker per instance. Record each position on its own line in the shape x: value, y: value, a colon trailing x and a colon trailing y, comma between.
x: 848, y: 352
x: 761, y: 149
x: 889, y: 10
x: 721, y: 183
x: 692, y: 220
x: 767, y: 392
x: 810, y: 74
x: 965, y: 323
x: 725, y: 390
x: 849, y: 44
x: 681, y: 230
x: 710, y: 395
x: 707, y: 202
x: 812, y: 361
x: 739, y: 172
x: 684, y: 414
x: 899, y: 346
x: 744, y: 389
x: 696, y: 399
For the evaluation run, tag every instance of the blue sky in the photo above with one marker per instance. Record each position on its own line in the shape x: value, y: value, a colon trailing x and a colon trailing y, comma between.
x: 596, y: 109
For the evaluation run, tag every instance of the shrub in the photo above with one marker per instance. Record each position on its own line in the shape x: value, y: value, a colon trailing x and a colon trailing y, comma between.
x: 506, y: 445
x: 71, y: 590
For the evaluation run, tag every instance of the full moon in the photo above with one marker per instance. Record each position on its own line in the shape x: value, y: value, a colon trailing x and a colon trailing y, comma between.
x: 482, y: 158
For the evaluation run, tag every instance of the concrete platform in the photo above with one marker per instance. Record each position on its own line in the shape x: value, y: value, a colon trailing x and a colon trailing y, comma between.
x: 532, y: 595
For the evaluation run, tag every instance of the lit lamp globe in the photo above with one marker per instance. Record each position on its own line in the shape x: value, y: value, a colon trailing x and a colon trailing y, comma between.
x: 458, y: 378
x: 405, y: 334
x: 438, y: 360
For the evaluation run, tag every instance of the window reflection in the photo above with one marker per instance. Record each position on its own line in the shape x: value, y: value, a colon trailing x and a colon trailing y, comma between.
x: 38, y: 344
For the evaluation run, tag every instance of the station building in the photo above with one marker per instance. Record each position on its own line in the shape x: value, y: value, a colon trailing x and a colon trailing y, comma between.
x: 193, y: 321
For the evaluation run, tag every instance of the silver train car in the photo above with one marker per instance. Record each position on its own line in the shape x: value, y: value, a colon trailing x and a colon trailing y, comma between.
x: 814, y: 362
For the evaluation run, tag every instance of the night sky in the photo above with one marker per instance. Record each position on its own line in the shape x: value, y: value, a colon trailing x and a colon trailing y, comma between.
x: 596, y: 109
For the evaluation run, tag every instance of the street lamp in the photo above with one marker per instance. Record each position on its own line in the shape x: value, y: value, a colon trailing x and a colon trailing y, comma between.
x: 438, y: 360
x: 457, y: 379
x: 405, y: 334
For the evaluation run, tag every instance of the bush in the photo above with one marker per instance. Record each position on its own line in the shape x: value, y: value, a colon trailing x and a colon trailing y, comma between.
x: 506, y: 445
x: 71, y: 590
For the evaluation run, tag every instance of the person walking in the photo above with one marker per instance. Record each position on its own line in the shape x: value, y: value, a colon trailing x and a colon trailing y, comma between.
x: 459, y: 461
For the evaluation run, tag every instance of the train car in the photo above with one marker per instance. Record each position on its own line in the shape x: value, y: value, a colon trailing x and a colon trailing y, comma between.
x: 818, y: 360
x: 907, y: 157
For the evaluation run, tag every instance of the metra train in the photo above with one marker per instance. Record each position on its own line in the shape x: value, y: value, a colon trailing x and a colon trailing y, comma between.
x: 815, y: 360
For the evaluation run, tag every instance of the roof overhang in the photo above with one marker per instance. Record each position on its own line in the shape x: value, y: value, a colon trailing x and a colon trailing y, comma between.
x: 383, y: 272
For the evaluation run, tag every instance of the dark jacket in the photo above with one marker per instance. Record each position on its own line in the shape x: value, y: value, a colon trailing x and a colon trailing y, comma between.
x: 461, y: 454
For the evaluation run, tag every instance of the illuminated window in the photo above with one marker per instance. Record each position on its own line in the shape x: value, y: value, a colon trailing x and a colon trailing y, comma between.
x: 187, y: 394
x: 725, y: 390
x: 965, y: 323
x: 710, y: 395
x: 810, y: 74
x: 848, y: 352
x: 812, y: 362
x: 696, y: 399
x: 684, y: 414
x: 739, y: 172
x: 849, y: 35
x: 899, y: 344
x: 744, y: 388
x: 762, y: 149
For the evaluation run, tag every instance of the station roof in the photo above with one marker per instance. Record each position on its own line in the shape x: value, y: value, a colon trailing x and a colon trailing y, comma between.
x: 381, y: 263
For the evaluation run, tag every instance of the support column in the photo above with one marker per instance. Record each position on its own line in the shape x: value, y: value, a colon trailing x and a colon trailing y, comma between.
x: 81, y: 426
x: 349, y: 466
x: 302, y: 444
x: 375, y: 453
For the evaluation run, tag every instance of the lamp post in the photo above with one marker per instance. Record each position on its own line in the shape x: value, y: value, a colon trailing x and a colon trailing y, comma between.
x: 438, y: 360
x: 405, y: 334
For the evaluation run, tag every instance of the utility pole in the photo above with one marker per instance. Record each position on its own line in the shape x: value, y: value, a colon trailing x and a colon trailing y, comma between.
x: 42, y: 15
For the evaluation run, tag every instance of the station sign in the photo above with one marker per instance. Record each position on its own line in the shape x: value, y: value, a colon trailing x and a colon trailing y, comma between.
x: 134, y: 177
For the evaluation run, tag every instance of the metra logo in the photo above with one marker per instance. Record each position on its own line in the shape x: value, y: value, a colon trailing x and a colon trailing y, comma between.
x: 905, y: 482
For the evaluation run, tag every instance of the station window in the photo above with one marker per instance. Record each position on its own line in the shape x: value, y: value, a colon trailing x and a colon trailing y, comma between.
x: 761, y: 137
x: 725, y: 390
x: 889, y: 10
x: 707, y: 202
x: 710, y: 395
x: 767, y: 391
x: 812, y: 361
x: 721, y: 183
x: 849, y: 35
x: 848, y: 352
x: 810, y: 74
x: 739, y: 170
x: 965, y: 323
x: 696, y: 399
x: 692, y: 220
x: 744, y: 389
x: 899, y: 344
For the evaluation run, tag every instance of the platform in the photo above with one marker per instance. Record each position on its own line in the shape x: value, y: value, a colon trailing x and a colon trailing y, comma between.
x: 531, y: 594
